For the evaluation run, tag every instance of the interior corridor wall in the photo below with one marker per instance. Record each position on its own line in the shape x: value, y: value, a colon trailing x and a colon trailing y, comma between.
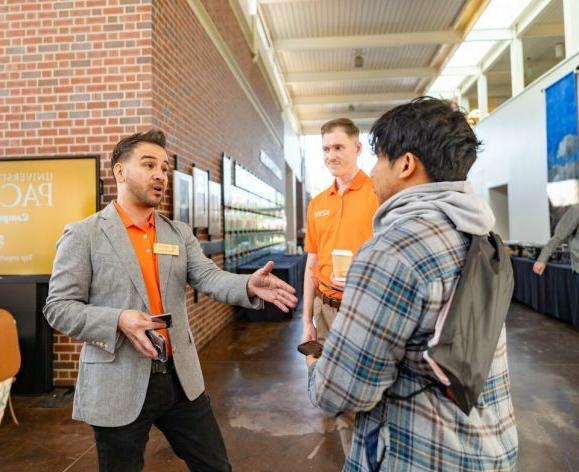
x: 514, y: 154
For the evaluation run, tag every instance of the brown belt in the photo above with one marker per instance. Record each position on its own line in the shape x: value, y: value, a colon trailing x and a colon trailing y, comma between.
x: 330, y: 301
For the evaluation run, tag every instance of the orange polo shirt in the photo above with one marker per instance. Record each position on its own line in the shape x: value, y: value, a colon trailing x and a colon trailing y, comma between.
x: 143, y: 240
x: 339, y: 222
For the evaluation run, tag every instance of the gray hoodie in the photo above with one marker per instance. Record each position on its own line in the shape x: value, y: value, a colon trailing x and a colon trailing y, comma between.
x: 455, y: 200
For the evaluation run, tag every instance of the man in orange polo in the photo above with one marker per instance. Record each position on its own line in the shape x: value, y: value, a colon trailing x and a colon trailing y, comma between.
x: 338, y: 218
x: 113, y: 271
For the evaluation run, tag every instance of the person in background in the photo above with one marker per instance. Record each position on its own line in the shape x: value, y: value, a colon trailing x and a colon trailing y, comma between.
x: 114, y: 270
x: 338, y: 218
x: 567, y: 230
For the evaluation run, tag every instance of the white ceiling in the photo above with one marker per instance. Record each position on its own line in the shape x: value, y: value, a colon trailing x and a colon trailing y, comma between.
x: 405, y: 44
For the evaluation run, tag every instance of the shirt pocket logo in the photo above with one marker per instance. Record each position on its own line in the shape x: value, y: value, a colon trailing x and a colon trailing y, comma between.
x: 319, y: 213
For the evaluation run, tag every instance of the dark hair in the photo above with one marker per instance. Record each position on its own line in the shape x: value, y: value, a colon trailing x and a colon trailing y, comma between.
x: 430, y: 129
x: 124, y: 147
x: 346, y: 123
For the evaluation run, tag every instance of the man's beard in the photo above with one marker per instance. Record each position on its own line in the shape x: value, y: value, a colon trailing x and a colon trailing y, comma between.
x: 142, y: 196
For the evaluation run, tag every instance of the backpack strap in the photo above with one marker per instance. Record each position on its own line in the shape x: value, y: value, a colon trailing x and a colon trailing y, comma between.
x: 429, y: 385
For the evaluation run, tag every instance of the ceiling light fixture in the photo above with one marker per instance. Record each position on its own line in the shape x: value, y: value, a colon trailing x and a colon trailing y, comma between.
x: 358, y: 59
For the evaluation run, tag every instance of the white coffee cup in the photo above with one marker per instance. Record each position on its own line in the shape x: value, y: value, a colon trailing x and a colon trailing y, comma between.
x: 341, y: 260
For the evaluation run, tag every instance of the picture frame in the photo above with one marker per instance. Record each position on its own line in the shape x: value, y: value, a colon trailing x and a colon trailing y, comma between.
x: 227, y: 178
x: 182, y: 197
x: 215, y: 209
x: 200, y: 198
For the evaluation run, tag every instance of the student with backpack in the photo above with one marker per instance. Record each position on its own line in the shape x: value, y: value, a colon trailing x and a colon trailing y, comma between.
x: 418, y: 348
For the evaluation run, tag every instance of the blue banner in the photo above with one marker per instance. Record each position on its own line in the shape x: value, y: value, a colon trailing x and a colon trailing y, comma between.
x: 562, y: 130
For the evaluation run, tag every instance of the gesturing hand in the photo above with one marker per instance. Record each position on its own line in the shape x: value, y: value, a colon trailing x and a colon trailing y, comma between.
x: 539, y: 268
x: 133, y: 324
x: 263, y: 284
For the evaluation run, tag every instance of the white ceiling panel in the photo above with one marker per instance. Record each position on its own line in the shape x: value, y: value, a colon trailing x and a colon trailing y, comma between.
x: 359, y: 17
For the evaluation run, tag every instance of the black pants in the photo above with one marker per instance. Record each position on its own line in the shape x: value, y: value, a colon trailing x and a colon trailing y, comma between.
x: 189, y: 426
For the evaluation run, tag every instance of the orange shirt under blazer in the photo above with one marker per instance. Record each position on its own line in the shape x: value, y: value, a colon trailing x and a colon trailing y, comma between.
x: 143, y: 240
x: 339, y: 222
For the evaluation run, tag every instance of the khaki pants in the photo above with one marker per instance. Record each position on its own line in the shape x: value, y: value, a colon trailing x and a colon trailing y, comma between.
x: 324, y: 316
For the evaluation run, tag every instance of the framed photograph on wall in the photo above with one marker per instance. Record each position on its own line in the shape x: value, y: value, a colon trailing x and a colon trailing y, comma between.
x: 182, y: 197
x: 200, y: 198
x: 227, y: 179
x: 214, y: 208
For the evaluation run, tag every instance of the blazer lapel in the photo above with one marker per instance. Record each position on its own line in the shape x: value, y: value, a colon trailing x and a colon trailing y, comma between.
x: 165, y: 235
x: 114, y: 230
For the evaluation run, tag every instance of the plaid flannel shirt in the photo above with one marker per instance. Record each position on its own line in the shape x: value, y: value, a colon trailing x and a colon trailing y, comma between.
x: 396, y: 288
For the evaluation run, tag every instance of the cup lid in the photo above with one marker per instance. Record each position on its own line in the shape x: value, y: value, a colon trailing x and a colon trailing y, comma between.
x: 342, y: 252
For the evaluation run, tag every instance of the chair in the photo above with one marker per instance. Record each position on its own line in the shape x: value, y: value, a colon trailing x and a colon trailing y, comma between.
x: 10, y: 356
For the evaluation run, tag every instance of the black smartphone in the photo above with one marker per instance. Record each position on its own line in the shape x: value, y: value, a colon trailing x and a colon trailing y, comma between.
x: 156, y: 339
x: 311, y: 348
x: 159, y: 344
x: 165, y: 318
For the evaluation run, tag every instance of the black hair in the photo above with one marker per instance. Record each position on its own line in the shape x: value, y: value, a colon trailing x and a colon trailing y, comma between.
x: 124, y: 147
x: 432, y: 130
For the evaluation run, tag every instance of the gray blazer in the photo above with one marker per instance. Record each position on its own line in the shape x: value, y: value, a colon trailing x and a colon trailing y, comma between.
x: 95, y: 277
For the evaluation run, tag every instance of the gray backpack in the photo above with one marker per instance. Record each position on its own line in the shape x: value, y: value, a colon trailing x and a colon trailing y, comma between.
x: 468, y: 328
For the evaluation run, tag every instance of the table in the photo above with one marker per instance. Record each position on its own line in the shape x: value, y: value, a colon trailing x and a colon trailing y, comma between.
x: 555, y: 293
x: 289, y: 268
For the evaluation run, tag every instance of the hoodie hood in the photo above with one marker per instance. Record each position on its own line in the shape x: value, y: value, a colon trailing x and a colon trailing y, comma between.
x: 454, y: 200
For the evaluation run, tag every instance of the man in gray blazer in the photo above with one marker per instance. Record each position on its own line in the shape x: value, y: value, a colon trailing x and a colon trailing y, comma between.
x: 114, y: 270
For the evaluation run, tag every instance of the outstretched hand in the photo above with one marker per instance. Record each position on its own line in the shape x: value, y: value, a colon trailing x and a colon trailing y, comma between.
x: 263, y: 284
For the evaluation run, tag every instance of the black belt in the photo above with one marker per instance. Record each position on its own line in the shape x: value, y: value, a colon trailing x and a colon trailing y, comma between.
x: 330, y: 301
x: 158, y: 367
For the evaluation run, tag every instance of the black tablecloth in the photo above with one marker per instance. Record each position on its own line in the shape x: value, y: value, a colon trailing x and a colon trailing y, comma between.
x: 555, y: 293
x: 289, y: 268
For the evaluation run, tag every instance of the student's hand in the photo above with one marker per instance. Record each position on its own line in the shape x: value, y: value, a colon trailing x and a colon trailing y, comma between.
x: 263, y: 284
x: 310, y: 333
x: 539, y: 268
x: 133, y: 324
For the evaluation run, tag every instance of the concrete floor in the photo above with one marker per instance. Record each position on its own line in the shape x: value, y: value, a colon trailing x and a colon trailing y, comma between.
x: 256, y: 380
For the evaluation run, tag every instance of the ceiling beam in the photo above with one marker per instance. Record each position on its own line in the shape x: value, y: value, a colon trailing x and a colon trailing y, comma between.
x: 368, y: 41
x: 498, y: 34
x: 467, y: 70
x: 359, y: 74
x: 356, y: 116
x: 353, y: 99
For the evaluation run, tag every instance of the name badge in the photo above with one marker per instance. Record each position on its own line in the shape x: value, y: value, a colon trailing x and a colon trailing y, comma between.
x: 169, y: 249
x: 319, y: 213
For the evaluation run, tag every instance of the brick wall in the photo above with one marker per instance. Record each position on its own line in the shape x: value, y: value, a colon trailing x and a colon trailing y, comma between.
x: 199, y: 103
x: 77, y: 75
